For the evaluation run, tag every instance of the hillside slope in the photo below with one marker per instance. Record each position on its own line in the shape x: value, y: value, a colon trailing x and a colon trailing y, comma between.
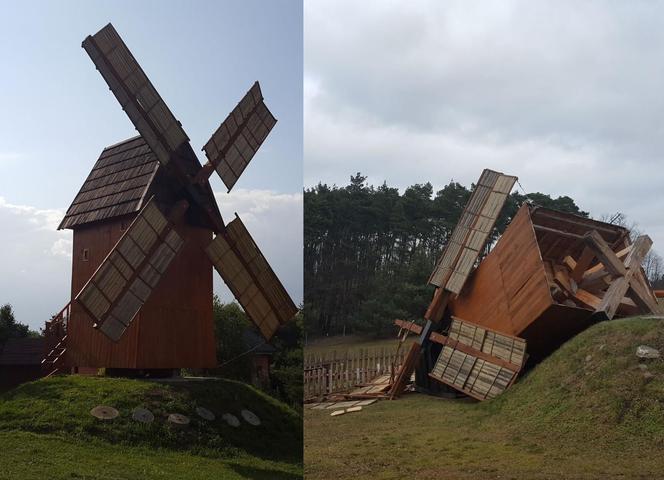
x: 590, y: 410
x: 595, y: 384
x: 56, y: 411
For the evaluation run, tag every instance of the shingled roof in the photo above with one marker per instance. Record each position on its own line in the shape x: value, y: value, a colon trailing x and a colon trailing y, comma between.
x: 117, y: 184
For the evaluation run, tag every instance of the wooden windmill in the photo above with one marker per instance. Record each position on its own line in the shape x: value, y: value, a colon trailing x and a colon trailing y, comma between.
x: 143, y: 226
x: 550, y: 275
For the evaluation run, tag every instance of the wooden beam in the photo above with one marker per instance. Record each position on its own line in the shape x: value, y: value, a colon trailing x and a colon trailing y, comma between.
x: 599, y: 269
x: 438, y: 305
x: 410, y: 326
x: 406, y: 371
x: 588, y: 299
x: 583, y: 223
x: 569, y: 262
x: 613, y: 296
x: 562, y: 279
x: 620, y: 286
x: 608, y: 257
x: 586, y: 258
x: 642, y: 296
x: 558, y: 232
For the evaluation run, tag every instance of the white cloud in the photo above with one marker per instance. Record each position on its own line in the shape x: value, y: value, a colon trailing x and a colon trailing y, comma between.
x: 35, y: 260
x: 62, y: 247
x: 430, y: 91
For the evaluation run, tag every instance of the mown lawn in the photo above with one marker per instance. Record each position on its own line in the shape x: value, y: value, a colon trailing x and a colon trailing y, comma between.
x: 29, y: 456
x: 46, y: 431
x: 592, y: 410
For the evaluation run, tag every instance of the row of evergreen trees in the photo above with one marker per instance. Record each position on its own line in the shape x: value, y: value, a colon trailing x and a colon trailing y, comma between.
x: 368, y: 251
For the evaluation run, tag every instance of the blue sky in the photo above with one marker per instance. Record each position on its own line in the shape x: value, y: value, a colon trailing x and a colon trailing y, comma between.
x: 58, y: 114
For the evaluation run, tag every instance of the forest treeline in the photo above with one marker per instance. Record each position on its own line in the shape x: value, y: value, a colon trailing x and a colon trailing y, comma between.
x: 368, y: 251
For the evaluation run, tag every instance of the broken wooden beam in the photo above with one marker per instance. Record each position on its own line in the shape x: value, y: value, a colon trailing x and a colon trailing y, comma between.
x: 408, y: 325
x: 406, y: 371
x: 599, y: 269
x: 621, y: 285
x: 580, y: 267
x: 601, y: 249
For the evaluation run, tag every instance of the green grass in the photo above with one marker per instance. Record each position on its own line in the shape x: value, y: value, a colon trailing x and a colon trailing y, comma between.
x: 588, y: 411
x: 46, y: 427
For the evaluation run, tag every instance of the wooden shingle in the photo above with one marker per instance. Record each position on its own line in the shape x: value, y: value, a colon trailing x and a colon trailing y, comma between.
x: 117, y: 184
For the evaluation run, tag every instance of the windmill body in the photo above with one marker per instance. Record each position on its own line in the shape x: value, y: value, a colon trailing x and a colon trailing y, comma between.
x: 148, y: 232
x: 549, y: 276
x: 174, y: 328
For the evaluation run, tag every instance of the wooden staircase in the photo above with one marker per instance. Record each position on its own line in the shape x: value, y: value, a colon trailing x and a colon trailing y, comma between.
x: 55, y: 332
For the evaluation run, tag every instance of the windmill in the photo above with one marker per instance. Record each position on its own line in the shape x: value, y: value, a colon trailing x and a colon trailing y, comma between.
x: 550, y: 275
x: 150, y: 195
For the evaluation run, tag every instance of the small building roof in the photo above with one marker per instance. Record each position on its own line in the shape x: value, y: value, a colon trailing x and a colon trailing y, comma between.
x: 22, y: 351
x: 116, y: 186
x: 253, y: 339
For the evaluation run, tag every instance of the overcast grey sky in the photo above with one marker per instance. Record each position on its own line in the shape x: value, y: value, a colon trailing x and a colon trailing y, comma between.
x: 566, y: 95
x: 58, y: 114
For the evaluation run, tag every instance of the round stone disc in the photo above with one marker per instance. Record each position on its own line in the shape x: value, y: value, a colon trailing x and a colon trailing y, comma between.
x: 231, y: 419
x: 103, y: 412
x: 205, y: 414
x: 178, y: 419
x: 251, y: 418
x: 142, y: 415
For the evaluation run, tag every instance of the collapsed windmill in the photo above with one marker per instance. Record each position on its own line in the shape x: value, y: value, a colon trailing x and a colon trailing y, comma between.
x: 143, y: 243
x: 550, y: 275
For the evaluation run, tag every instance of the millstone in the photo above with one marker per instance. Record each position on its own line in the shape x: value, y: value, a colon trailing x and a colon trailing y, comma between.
x: 205, y: 414
x: 251, y: 418
x: 103, y: 412
x: 178, y: 420
x: 231, y: 419
x: 142, y: 415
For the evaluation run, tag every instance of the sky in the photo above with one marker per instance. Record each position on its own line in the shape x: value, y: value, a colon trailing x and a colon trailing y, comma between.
x: 565, y: 95
x: 58, y: 114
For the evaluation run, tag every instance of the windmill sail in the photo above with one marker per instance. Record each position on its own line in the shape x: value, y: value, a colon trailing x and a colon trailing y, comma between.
x: 471, y: 233
x: 138, y: 97
x: 245, y: 270
x: 238, y: 138
x: 128, y: 275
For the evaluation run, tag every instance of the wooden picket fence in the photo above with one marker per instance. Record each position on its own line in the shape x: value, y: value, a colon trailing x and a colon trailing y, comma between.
x: 335, y: 372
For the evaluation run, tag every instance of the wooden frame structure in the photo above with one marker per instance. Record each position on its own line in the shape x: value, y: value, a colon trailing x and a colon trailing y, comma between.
x: 550, y: 275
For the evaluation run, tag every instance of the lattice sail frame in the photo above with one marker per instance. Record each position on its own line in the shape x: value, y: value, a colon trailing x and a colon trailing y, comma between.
x: 131, y: 271
x: 236, y: 141
x: 138, y: 97
x: 472, y: 230
x: 464, y: 370
x: 245, y: 270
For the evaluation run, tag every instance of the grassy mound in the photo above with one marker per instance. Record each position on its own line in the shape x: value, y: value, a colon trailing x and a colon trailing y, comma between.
x: 591, y: 410
x: 61, y: 406
x: 594, y: 383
